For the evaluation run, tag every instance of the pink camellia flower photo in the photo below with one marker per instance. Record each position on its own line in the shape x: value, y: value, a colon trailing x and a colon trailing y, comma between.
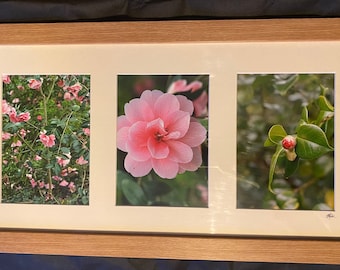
x: 158, y: 132
x: 6, y: 79
x: 35, y: 84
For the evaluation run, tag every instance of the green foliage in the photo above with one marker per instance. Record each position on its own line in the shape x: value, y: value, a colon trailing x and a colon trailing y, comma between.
x: 296, y: 104
x: 32, y: 171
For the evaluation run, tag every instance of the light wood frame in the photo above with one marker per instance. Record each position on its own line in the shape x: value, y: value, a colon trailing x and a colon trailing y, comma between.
x: 326, y: 251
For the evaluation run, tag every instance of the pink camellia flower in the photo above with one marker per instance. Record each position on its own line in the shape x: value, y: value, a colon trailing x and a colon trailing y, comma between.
x: 34, y: 84
x: 72, y: 187
x: 6, y: 79
x: 39, y: 117
x: 47, y: 140
x: 6, y: 108
x: 23, y: 117
x: 86, y: 131
x: 81, y: 161
x: 158, y: 132
x: 33, y: 183
x: 16, y: 144
x: 16, y: 100
x: 62, y: 162
x: 37, y: 158
x: 63, y: 183
x: 6, y: 136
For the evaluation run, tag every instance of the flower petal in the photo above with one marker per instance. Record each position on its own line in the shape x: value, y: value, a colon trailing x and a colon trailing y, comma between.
x: 136, y: 144
x: 122, y: 138
x: 165, y: 105
x: 180, y: 152
x: 150, y: 97
x: 194, y: 164
x: 185, y: 104
x: 178, y: 122
x: 177, y: 86
x: 137, y: 168
x: 165, y: 168
x: 158, y: 149
x: 195, y: 135
x: 138, y: 110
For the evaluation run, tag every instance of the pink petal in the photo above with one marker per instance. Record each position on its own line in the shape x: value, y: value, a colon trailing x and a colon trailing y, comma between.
x: 150, y: 97
x: 196, y: 134
x: 185, y: 104
x: 158, y: 149
x: 138, y: 110
x: 200, y: 105
x: 122, y: 138
x: 194, y: 164
x: 165, y: 104
x: 137, y: 142
x: 178, y: 122
x: 165, y: 168
x: 122, y: 121
x: 177, y: 86
x: 180, y: 152
x: 194, y: 86
x: 137, y: 168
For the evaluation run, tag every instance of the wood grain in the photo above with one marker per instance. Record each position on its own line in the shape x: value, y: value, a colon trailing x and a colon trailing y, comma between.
x: 172, y: 247
x: 172, y: 31
x: 175, y: 246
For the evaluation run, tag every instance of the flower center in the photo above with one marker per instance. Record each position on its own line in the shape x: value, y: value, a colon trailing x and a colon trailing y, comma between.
x: 159, y: 135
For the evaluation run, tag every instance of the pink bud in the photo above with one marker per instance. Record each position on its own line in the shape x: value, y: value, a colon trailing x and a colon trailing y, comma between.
x: 289, y: 142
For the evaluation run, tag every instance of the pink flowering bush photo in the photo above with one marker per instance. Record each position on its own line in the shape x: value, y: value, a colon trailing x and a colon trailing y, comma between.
x: 45, y: 139
x: 162, y: 140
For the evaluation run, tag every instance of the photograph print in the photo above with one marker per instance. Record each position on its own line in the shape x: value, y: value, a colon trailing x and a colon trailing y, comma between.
x: 162, y: 140
x: 285, y: 141
x: 45, y: 139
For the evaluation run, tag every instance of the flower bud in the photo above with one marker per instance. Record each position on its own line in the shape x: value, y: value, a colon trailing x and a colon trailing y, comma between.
x: 289, y: 142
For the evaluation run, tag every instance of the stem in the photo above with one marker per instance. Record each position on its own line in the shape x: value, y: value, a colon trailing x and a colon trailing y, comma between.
x: 64, y: 130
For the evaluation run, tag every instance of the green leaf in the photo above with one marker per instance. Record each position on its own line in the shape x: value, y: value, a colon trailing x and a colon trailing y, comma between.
x: 276, y: 134
x: 268, y: 143
x: 312, y: 142
x: 324, y: 104
x: 279, y: 150
x: 133, y: 192
x: 304, y: 114
x: 284, y: 85
x: 291, y: 166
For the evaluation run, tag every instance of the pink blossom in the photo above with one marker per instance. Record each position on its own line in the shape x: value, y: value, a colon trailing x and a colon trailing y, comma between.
x: 6, y: 108
x: 68, y: 96
x: 81, y: 161
x: 33, y: 183
x: 39, y: 117
x: 23, y: 133
x: 6, y: 79
x: 37, y: 158
x: 72, y: 187
x: 62, y: 162
x: 16, y: 144
x: 6, y: 136
x: 15, y: 100
x: 86, y: 131
x: 20, y: 87
x: 182, y: 86
x: 41, y: 184
x: 57, y: 178
x: 63, y: 183
x: 61, y: 83
x: 158, y: 132
x: 13, y: 115
x: 47, y: 140
x: 48, y: 186
x: 5, y: 161
x: 24, y: 117
x: 201, y: 105
x: 34, y: 84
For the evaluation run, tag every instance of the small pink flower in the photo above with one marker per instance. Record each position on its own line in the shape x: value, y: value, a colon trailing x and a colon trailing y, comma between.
x: 158, y: 132
x: 74, y: 88
x: 81, y: 161
x: 201, y: 105
x: 6, y: 108
x: 37, y: 158
x: 68, y: 96
x: 86, y: 131
x: 22, y: 133
x: 20, y: 87
x: 33, y: 183
x: 6, y: 79
x: 16, y: 100
x: 182, y: 86
x: 13, y: 115
x: 41, y: 184
x: 72, y: 187
x: 23, y: 117
x: 34, y: 84
x: 61, y: 83
x: 39, y: 117
x: 4, y: 161
x: 57, y: 178
x: 62, y: 162
x: 63, y: 183
x: 47, y: 140
x: 6, y: 136
x: 16, y: 144
x: 47, y: 186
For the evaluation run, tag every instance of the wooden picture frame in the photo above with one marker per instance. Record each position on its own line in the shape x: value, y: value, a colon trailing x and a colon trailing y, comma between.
x: 172, y: 246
